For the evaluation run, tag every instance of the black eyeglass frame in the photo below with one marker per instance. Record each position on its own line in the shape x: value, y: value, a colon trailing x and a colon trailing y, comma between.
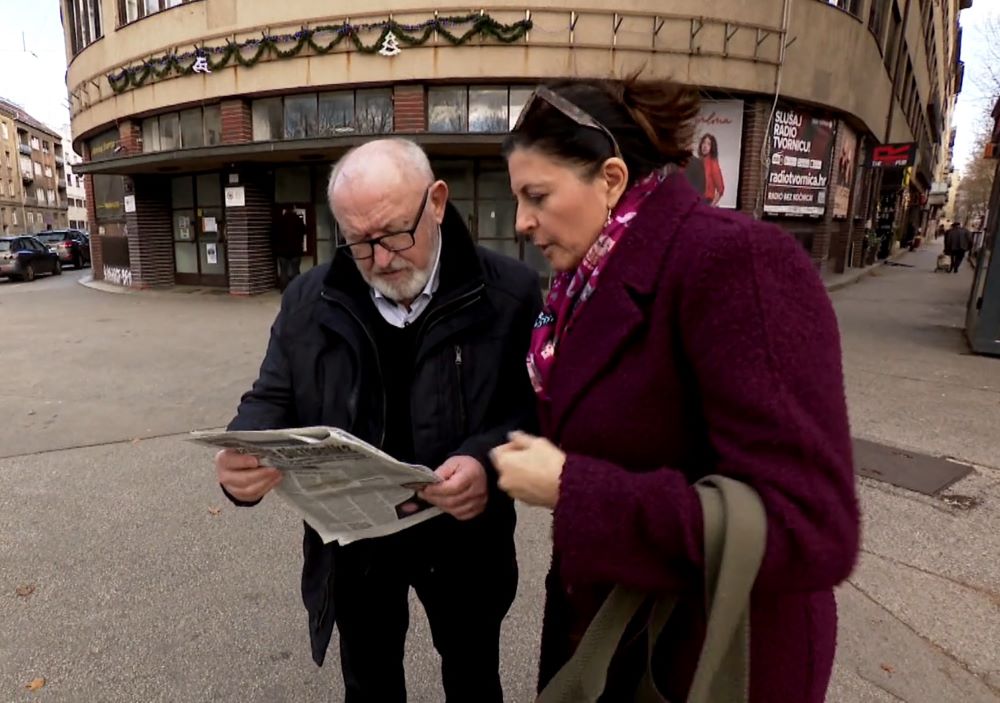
x: 346, y: 247
x: 568, y: 109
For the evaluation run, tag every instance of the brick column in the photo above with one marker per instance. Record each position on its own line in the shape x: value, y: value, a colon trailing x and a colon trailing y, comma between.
x: 130, y: 137
x: 237, y: 122
x: 755, y: 120
x: 248, y: 236
x: 409, y: 108
x: 150, y: 233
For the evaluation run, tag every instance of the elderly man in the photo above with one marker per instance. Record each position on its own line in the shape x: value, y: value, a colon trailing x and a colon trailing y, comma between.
x: 956, y: 244
x: 413, y: 339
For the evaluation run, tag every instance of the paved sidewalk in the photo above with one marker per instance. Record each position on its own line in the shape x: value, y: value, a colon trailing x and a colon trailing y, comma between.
x: 920, y: 617
x: 148, y: 586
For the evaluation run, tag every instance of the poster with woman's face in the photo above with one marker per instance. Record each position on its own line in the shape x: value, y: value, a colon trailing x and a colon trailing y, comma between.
x: 714, y: 168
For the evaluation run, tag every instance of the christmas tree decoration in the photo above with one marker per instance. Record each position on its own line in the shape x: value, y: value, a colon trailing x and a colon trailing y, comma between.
x: 390, y: 46
x: 319, y: 40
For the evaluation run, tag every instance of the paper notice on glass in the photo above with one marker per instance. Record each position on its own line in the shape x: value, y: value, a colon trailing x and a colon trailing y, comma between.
x: 211, y: 253
x: 343, y: 487
x: 210, y: 224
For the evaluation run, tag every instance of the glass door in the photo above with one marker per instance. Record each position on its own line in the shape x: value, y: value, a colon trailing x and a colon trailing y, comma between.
x: 199, y: 229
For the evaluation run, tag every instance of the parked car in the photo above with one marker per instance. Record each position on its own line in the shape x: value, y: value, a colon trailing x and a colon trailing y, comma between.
x: 72, y: 245
x: 24, y: 256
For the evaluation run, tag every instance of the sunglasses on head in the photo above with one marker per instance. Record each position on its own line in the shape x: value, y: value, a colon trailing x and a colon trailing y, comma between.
x: 568, y: 109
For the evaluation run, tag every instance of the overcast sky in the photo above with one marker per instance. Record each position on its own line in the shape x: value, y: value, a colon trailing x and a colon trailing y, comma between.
x: 38, y: 81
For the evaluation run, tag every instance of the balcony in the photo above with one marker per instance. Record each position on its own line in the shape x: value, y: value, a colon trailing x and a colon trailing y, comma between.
x: 62, y: 185
x: 59, y: 160
x: 27, y: 176
x: 24, y: 149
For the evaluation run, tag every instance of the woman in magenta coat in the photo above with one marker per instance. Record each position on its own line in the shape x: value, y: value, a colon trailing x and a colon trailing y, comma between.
x: 679, y: 340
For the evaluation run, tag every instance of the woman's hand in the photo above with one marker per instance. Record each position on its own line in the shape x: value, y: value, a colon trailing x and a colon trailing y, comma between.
x: 529, y: 469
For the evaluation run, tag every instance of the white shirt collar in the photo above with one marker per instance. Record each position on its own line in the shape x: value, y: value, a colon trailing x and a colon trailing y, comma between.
x: 397, y: 315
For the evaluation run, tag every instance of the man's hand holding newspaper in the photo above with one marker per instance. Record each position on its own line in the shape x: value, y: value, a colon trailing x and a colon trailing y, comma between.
x: 343, y: 487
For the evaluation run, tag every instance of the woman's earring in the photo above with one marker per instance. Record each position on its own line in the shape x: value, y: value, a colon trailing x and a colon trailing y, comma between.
x: 608, y: 221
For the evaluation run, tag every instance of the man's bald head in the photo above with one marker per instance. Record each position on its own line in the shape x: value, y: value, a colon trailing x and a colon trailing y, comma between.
x: 385, y: 164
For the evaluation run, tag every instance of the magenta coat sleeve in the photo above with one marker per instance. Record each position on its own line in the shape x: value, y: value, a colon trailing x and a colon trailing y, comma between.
x: 761, y: 338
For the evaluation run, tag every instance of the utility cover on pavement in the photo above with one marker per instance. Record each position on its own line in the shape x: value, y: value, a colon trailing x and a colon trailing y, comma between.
x: 910, y: 470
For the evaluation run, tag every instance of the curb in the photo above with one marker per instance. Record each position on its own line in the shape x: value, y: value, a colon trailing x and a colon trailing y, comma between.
x: 89, y: 282
x: 865, y: 272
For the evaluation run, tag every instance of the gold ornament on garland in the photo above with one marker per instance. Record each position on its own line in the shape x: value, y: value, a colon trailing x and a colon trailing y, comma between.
x: 321, y: 40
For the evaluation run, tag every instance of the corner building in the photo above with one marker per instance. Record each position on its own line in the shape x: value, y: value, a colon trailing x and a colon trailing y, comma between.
x: 198, y: 120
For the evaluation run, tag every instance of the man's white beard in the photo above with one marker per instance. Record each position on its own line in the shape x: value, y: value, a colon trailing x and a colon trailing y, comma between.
x: 406, y: 288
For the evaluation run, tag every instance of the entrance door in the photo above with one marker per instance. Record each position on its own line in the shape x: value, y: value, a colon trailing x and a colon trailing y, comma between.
x: 199, y: 231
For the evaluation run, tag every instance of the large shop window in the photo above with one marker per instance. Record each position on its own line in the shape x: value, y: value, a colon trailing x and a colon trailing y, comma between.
x: 475, y: 109
x: 324, y: 115
x: 132, y: 10
x: 85, y: 25
x: 182, y: 130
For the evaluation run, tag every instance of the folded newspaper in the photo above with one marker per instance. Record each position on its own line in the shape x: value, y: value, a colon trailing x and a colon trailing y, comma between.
x: 343, y: 487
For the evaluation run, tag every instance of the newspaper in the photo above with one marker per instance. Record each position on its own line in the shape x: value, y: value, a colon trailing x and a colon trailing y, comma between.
x: 343, y: 487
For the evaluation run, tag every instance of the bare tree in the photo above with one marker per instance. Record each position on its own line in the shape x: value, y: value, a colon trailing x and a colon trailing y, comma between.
x: 973, y: 195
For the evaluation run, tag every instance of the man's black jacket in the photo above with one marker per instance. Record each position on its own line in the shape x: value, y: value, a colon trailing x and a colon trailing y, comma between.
x: 470, y: 384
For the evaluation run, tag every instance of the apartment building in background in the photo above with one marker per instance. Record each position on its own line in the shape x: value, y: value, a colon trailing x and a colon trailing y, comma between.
x: 199, y: 119
x: 32, y: 173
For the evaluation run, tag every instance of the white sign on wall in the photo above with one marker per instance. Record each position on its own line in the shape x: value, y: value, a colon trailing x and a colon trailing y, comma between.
x: 236, y: 197
x: 129, y: 203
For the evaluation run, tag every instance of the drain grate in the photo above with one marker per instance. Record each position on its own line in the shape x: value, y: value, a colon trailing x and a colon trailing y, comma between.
x: 913, y: 471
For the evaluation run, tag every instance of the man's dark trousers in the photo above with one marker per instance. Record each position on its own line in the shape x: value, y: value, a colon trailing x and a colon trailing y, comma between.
x: 464, y: 574
x: 956, y: 259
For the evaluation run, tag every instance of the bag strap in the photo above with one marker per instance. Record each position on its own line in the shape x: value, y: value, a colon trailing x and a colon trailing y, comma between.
x: 735, y: 528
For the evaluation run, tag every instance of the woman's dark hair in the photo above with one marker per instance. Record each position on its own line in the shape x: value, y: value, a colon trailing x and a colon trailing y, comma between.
x: 713, y: 150
x: 652, y: 121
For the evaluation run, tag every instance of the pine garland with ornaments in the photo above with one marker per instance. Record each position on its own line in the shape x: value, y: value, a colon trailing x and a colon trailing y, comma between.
x: 392, y: 39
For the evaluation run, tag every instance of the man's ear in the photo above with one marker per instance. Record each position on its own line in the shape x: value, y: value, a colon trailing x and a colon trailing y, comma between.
x: 439, y: 199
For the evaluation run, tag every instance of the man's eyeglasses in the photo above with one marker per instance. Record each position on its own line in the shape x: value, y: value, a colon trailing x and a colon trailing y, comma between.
x: 569, y: 110
x: 393, y: 241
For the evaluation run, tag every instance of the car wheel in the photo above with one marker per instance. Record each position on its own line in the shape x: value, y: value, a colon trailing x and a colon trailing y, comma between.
x: 29, y: 273
x: 78, y: 262
x: 57, y: 268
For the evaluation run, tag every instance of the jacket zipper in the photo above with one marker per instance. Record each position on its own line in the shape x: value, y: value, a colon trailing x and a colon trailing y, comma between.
x: 378, y: 362
x: 461, y: 390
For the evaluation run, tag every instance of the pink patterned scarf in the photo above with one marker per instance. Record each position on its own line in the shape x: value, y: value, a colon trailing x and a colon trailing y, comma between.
x: 571, y: 289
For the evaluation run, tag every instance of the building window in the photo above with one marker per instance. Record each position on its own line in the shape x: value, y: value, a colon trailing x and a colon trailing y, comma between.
x: 192, y: 129
x: 488, y: 110
x: 170, y: 132
x: 300, y: 116
x: 336, y: 113
x: 448, y: 109
x: 892, y: 41
x: 267, y: 116
x: 38, y: 168
x: 51, y: 194
x: 373, y: 111
x: 852, y: 6
x: 213, y: 125
x: 3, y: 131
x: 45, y: 147
x: 35, y: 144
x: 151, y: 134
x: 132, y: 10
x: 48, y: 172
x: 84, y: 23
x: 876, y: 18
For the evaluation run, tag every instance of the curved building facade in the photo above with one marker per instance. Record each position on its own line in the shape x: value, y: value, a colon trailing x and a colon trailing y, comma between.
x: 198, y: 118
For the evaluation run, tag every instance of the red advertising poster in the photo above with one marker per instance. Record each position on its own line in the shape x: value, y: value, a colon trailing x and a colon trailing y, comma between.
x: 714, y: 167
x: 801, y: 150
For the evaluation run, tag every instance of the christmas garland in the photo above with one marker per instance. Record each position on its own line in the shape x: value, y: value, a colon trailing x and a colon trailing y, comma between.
x: 321, y: 40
